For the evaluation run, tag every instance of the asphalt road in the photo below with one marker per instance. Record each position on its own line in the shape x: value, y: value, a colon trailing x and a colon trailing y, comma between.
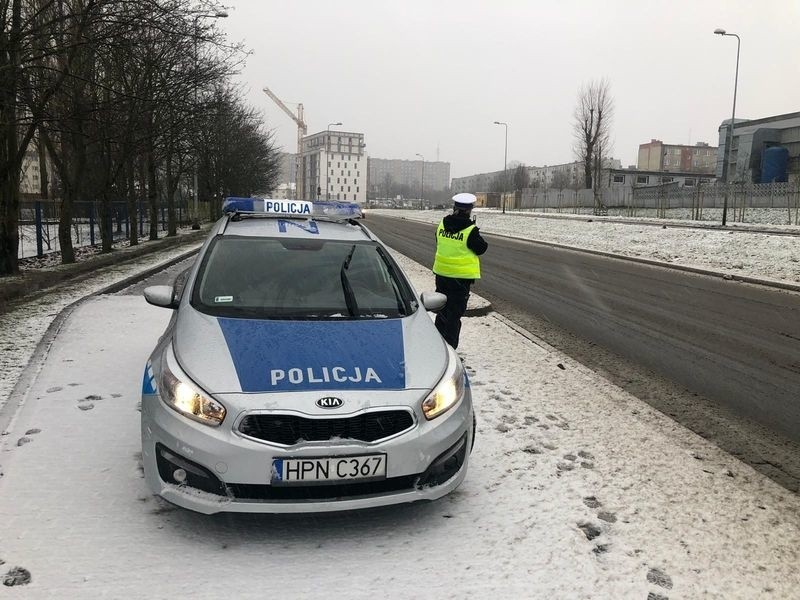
x: 735, y: 343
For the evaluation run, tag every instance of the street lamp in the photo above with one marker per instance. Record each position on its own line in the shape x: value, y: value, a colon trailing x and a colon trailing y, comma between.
x: 327, y: 149
x: 729, y: 145
x: 422, y: 183
x: 199, y: 15
x: 505, y: 162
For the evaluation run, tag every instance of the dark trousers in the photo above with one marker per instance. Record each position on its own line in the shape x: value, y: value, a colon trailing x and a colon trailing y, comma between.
x: 448, y: 320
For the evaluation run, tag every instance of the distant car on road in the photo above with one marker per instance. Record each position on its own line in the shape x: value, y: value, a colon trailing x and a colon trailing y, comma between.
x: 301, y: 372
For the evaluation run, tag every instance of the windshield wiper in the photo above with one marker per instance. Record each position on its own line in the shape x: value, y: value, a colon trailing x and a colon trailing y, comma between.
x: 349, y: 296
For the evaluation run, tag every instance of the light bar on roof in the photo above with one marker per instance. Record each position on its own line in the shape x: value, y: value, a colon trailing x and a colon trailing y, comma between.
x: 291, y: 208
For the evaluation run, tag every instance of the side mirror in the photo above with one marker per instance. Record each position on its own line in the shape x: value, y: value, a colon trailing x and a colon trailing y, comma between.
x: 161, y: 295
x: 433, y: 301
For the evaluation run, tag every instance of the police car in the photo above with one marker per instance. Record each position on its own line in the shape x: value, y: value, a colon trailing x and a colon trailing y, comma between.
x: 301, y: 372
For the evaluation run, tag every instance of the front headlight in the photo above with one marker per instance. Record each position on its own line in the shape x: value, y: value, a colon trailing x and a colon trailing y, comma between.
x: 184, y: 397
x: 448, y: 392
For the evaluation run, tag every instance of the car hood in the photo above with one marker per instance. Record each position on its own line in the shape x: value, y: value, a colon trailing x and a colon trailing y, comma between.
x: 225, y: 355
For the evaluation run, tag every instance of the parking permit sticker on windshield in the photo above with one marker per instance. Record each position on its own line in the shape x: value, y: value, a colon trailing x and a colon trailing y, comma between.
x: 219, y: 299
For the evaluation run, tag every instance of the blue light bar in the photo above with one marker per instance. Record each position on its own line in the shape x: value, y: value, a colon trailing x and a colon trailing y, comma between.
x: 291, y: 208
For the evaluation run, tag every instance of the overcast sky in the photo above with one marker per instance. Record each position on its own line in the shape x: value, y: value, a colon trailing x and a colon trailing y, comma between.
x: 421, y: 76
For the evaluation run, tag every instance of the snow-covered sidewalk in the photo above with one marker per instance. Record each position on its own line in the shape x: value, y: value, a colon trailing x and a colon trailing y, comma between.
x: 759, y: 255
x: 22, y: 328
x: 575, y: 490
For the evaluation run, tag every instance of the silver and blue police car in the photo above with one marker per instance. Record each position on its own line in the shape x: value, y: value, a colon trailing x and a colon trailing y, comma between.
x: 301, y: 372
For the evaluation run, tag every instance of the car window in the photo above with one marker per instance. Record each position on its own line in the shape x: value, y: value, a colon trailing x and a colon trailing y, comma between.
x: 269, y: 278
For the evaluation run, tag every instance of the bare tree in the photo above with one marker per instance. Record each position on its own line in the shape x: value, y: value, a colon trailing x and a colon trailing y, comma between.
x: 521, y: 178
x: 592, y: 124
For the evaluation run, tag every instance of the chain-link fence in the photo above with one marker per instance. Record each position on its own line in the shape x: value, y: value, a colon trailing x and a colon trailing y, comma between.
x: 39, y: 219
x: 768, y: 203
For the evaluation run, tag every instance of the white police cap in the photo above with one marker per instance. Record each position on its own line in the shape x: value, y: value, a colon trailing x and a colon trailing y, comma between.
x: 464, y: 200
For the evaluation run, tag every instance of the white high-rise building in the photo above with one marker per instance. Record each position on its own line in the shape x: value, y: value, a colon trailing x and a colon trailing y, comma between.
x: 334, y: 166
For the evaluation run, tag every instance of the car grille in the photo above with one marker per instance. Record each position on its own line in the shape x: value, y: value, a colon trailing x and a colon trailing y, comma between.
x: 292, y: 429
x: 393, y: 485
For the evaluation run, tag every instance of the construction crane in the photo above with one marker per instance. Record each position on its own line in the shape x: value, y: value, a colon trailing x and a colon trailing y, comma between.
x: 302, y: 130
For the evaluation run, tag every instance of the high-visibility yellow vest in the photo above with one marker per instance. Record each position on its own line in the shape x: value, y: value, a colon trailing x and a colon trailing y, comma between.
x: 453, y: 258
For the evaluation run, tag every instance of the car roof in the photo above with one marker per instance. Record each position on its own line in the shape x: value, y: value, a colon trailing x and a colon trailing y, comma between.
x: 299, y: 228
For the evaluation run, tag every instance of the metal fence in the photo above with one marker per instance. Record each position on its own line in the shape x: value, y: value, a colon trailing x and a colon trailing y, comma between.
x: 772, y: 203
x: 38, y: 223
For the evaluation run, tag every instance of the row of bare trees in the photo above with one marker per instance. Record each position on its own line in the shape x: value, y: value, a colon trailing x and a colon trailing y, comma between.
x: 127, y: 98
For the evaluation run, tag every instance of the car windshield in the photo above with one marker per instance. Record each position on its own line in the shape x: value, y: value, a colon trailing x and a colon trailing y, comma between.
x: 299, y: 279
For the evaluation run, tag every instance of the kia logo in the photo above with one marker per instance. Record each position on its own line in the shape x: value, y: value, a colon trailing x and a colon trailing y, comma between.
x: 330, y: 402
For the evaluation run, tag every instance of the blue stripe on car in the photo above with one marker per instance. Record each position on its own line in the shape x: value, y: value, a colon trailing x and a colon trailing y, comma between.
x: 275, y: 356
x: 149, y: 381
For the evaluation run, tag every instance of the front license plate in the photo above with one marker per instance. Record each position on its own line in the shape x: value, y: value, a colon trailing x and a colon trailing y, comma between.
x: 286, y: 471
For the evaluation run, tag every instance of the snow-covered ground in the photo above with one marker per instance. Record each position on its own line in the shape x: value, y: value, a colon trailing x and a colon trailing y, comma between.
x: 760, y: 255
x: 575, y: 490
x: 22, y: 328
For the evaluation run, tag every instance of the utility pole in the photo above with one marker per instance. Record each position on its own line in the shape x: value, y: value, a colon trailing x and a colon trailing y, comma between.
x: 196, y: 203
x: 729, y: 146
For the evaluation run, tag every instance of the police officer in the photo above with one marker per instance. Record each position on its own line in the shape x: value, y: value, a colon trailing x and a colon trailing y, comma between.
x: 456, y: 265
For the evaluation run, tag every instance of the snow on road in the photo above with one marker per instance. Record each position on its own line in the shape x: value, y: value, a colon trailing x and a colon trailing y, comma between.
x: 752, y: 254
x: 575, y: 490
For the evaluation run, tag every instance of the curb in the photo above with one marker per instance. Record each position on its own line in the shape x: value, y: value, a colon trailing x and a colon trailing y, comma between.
x: 781, y: 285
x: 18, y: 396
x: 35, y: 280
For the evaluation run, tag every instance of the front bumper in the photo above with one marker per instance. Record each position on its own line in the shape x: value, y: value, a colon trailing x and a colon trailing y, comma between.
x: 425, y: 463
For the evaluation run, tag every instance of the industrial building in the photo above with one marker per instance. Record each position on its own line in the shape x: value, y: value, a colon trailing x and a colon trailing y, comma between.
x: 763, y: 150
x: 679, y: 158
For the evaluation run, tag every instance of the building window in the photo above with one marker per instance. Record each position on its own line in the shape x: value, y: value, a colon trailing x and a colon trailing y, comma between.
x: 619, y: 178
x: 348, y: 188
x: 689, y: 182
x: 666, y: 180
x: 358, y: 189
x: 642, y: 179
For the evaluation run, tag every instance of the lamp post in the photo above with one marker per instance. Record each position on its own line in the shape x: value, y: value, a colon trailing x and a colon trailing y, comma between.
x: 729, y: 145
x: 327, y: 149
x: 505, y: 163
x: 199, y: 15
x: 422, y: 182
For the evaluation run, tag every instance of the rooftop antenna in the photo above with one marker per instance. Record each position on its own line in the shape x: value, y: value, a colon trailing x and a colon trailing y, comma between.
x: 437, y: 151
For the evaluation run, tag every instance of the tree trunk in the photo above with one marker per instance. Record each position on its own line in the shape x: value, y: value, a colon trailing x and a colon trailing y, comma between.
x: 44, y: 173
x: 152, y: 192
x: 65, y: 224
x: 172, y: 186
x: 9, y: 165
x: 587, y: 169
x: 133, y: 213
